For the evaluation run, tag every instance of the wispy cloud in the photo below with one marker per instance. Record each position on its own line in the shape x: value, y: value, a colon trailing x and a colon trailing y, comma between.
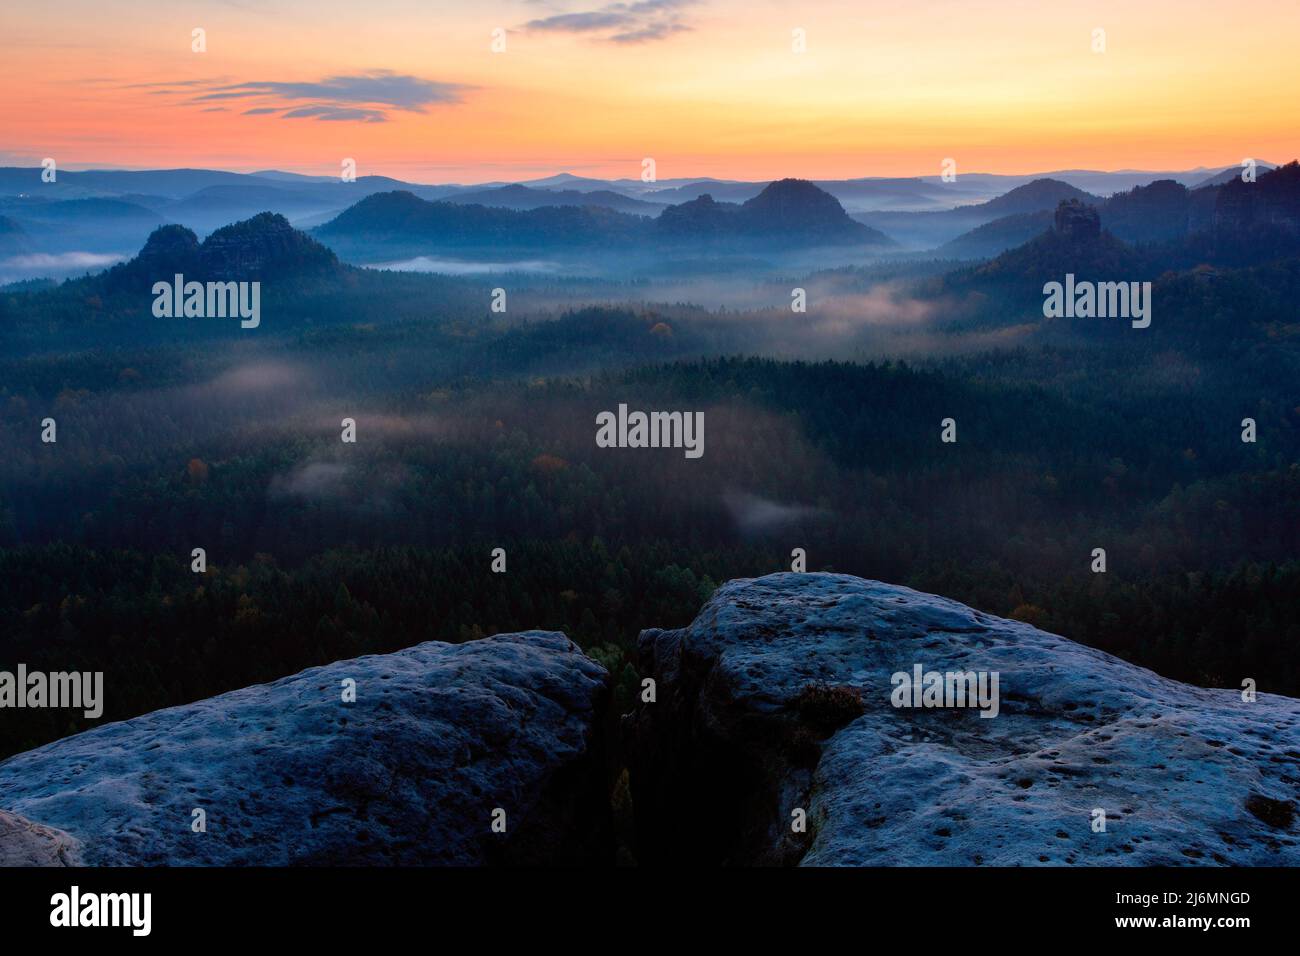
x: 639, y: 22
x: 366, y: 97
x: 337, y: 114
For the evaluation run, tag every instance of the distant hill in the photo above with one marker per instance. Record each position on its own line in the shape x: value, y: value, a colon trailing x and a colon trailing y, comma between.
x: 261, y: 248
x: 1008, y: 288
x: 1270, y: 206
x: 568, y: 181
x: 517, y: 196
x: 992, y: 238
x: 703, y: 218
x: 1150, y: 213
x: 303, y: 285
x: 76, y: 211
x: 784, y: 213
x: 1236, y: 222
x: 82, y: 225
x: 1154, y: 213
x: 719, y: 190
x: 229, y: 200
x: 403, y: 219
x: 796, y: 207
x: 908, y: 194
x: 1076, y: 243
x: 927, y: 230
x: 13, y: 238
x: 1230, y: 173
x: 1038, y: 196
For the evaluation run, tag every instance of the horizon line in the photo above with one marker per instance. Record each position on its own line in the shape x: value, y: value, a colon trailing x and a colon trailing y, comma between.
x: 83, y: 168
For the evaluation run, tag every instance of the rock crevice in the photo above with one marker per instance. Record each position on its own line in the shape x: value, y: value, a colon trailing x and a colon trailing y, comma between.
x: 777, y: 698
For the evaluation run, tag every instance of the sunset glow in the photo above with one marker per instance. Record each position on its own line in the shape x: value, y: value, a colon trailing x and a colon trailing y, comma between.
x: 414, y: 89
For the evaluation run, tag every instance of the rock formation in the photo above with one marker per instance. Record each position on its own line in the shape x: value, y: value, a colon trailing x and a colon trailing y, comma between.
x: 23, y: 843
x: 439, y: 737
x: 781, y: 703
x: 778, y: 698
x: 1077, y: 221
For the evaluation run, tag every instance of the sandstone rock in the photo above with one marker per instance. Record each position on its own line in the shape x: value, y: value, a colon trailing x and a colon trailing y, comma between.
x: 263, y: 247
x: 1077, y: 221
x: 23, y: 843
x: 777, y: 697
x: 439, y: 736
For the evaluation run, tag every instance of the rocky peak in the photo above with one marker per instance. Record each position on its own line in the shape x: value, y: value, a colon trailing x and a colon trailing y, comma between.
x: 1077, y: 221
x: 169, y: 245
x: 256, y: 247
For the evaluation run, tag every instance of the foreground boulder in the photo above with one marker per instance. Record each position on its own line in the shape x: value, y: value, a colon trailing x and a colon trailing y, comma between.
x: 23, y: 843
x: 439, y: 737
x: 780, y: 697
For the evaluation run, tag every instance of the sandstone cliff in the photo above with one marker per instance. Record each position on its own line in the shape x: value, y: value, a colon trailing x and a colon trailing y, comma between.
x: 438, y: 738
x: 778, y: 697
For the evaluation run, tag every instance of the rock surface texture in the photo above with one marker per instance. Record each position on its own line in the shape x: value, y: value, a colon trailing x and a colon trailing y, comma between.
x: 778, y: 697
x: 439, y: 736
x: 23, y: 843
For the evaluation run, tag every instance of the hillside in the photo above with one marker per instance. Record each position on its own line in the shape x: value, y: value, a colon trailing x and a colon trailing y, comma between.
x: 400, y: 218
x: 929, y: 230
x: 13, y: 238
x: 1211, y: 222
x: 516, y: 196
x: 992, y: 238
x: 785, y: 213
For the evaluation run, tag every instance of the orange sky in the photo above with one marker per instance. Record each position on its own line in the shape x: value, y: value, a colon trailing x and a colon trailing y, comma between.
x: 412, y: 88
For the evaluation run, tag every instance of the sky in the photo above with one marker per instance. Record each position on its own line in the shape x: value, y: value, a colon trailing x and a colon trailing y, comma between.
x: 415, y: 89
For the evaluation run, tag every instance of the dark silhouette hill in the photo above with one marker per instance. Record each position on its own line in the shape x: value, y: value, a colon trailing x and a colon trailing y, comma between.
x: 402, y: 218
x: 935, y: 229
x: 784, y: 213
x: 1036, y: 196
x: 516, y: 196
x: 1233, y: 223
x: 262, y: 248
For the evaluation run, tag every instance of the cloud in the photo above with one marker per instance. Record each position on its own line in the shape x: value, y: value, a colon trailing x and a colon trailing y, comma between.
x: 337, y: 114
x: 367, y: 97
x: 639, y: 22
x: 398, y: 91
